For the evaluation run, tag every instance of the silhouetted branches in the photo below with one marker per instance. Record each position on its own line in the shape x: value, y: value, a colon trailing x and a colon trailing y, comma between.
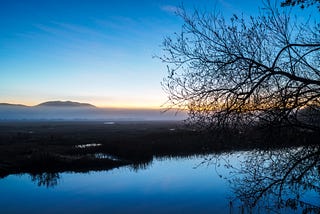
x: 244, y: 71
x: 302, y: 3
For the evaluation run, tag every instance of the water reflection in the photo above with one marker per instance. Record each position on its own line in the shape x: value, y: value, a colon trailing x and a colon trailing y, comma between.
x: 51, y: 179
x: 45, y: 179
x: 140, y: 165
x: 83, y: 146
x: 166, y: 186
x: 274, y: 180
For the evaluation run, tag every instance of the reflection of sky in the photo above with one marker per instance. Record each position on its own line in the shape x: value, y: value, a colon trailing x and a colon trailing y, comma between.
x: 166, y: 186
x: 91, y: 51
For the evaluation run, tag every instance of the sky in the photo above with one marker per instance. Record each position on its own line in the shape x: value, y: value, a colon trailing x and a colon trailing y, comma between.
x: 93, y: 51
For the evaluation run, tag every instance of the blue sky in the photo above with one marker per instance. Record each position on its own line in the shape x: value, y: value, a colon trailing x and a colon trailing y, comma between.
x: 91, y: 51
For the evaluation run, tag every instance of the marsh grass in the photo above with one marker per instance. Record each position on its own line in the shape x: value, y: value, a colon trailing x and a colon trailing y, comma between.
x: 41, y: 147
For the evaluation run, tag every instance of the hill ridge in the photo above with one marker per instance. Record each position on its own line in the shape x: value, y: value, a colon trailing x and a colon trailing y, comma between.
x: 64, y: 104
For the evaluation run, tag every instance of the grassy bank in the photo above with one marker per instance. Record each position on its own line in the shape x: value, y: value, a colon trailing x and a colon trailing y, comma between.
x: 36, y: 147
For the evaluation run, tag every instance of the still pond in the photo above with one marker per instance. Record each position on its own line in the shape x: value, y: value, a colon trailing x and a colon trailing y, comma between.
x: 225, y: 183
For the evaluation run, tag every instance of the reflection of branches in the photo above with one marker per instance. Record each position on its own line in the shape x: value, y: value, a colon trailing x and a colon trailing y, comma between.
x: 283, y: 177
x: 46, y: 179
x: 140, y: 165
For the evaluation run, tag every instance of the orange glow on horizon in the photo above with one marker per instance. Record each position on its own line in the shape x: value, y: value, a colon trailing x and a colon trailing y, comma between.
x: 126, y: 105
x: 99, y: 104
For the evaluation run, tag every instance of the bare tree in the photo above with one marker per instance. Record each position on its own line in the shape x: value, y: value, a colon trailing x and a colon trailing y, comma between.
x: 302, y: 3
x: 246, y: 70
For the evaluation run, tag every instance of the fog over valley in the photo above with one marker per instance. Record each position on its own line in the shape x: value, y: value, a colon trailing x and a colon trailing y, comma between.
x: 59, y: 110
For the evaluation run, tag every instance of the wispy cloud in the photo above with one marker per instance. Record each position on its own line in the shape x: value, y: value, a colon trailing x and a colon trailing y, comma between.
x: 170, y: 8
x: 70, y: 30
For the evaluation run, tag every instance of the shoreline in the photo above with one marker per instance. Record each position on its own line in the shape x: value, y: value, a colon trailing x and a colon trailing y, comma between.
x: 81, y: 146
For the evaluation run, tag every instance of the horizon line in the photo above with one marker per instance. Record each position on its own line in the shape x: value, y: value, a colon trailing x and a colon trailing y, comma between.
x: 128, y: 107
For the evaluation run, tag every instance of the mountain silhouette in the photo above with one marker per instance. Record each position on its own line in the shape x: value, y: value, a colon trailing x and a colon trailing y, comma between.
x: 75, y: 111
x: 12, y: 105
x: 65, y: 104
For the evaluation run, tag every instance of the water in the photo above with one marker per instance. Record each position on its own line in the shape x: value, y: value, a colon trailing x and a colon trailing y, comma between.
x: 198, y: 184
x: 173, y: 186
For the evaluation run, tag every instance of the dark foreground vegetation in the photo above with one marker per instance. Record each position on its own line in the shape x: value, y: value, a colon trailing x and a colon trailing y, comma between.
x: 38, y: 147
